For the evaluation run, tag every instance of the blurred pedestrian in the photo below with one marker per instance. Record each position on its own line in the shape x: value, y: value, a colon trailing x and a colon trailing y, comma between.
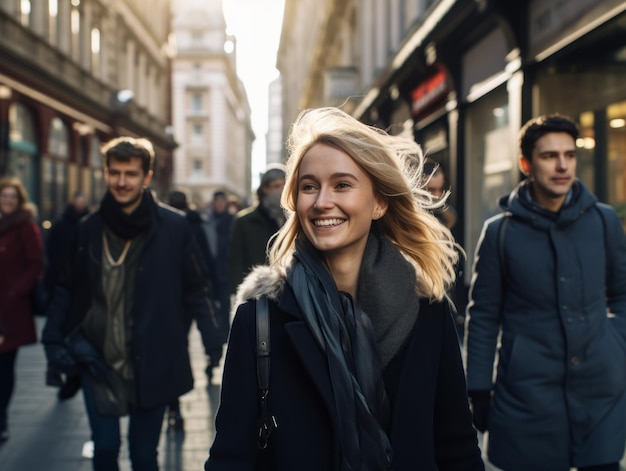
x: 446, y: 214
x: 57, y: 249
x: 121, y: 310
x: 549, y: 289
x: 365, y: 367
x: 436, y: 186
x: 178, y: 199
x: 253, y: 227
x: 218, y: 229
x: 21, y: 265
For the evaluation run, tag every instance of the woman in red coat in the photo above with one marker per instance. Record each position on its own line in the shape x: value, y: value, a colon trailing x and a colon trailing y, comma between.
x: 21, y: 263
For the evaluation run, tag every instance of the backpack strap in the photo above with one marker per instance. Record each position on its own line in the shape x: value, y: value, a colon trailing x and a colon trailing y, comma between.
x: 501, y: 231
x: 267, y: 422
x: 608, y: 247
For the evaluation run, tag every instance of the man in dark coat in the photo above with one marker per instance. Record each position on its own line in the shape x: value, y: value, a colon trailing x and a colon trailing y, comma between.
x: 121, y: 310
x: 218, y: 229
x: 550, y: 278
x: 254, y: 226
x: 211, y: 340
x: 57, y: 249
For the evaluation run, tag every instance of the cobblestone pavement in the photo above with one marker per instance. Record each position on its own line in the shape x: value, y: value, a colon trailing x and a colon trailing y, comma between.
x: 54, y: 435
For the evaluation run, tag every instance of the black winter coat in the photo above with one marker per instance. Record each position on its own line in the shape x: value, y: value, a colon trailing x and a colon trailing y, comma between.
x: 431, y: 426
x: 58, y: 245
x: 170, y: 290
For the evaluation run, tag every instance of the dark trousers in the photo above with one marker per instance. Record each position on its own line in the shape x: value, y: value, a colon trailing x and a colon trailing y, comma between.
x: 144, y: 431
x: 601, y: 467
x: 7, y: 383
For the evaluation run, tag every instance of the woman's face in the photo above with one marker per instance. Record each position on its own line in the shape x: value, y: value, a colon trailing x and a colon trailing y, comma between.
x: 8, y: 200
x: 336, y: 203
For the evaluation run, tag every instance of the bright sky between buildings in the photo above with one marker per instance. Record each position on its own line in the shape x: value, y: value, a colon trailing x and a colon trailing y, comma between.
x: 256, y: 24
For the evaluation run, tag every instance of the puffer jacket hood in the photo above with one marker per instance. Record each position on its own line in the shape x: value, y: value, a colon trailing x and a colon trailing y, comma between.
x: 521, y: 205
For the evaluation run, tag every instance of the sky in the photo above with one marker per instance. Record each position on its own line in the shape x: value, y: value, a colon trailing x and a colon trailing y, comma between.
x: 256, y: 24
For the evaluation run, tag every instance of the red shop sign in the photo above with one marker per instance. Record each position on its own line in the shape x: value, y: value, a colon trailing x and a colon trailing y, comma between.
x: 429, y: 91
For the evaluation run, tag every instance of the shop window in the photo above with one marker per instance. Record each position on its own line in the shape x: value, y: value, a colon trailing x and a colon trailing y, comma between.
x: 58, y: 141
x: 491, y: 163
x: 22, y: 159
x: 54, y: 181
x: 616, y: 152
x: 98, y: 186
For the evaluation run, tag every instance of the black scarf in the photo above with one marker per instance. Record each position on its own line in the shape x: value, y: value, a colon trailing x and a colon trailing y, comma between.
x: 127, y: 226
x: 344, y: 332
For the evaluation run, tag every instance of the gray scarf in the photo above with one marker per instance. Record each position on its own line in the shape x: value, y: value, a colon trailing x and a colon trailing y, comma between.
x: 386, y: 282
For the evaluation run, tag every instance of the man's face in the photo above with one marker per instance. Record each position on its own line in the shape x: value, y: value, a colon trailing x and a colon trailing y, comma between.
x: 219, y: 204
x: 274, y: 187
x: 552, y: 170
x: 126, y: 181
x: 80, y: 203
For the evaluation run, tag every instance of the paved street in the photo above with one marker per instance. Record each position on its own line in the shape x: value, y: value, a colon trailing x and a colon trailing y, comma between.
x: 53, y: 435
x: 49, y: 434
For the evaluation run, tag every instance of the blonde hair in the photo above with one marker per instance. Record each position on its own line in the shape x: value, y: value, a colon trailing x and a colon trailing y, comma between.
x: 394, y: 165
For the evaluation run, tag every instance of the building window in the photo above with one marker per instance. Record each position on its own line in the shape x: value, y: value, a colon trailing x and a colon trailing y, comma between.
x: 196, y: 37
x: 58, y: 143
x: 196, y: 168
x: 53, y: 10
x: 95, y: 51
x: 75, y: 21
x: 196, y: 134
x: 25, y: 12
x: 196, y: 102
x: 197, y: 72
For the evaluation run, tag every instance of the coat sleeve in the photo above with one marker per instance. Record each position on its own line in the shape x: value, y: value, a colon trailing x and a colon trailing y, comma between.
x: 484, y: 308
x: 236, y: 255
x: 235, y: 445
x: 456, y: 444
x: 60, y: 300
x: 616, y: 279
x: 197, y: 295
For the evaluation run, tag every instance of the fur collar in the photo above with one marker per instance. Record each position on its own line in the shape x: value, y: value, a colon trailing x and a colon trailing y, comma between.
x: 262, y: 280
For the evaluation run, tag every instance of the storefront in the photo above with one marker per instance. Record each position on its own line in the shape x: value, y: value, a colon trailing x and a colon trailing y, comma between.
x: 490, y: 92
x: 22, y: 156
x: 580, y: 72
x: 428, y: 105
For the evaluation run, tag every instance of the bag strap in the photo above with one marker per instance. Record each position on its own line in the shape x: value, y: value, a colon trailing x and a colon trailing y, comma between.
x: 501, y: 231
x: 267, y: 422
x: 608, y: 247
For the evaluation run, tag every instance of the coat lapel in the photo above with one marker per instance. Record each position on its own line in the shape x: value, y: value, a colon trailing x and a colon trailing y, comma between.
x: 307, y: 349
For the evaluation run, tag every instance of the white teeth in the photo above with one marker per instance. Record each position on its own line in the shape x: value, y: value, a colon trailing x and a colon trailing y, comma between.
x: 327, y: 222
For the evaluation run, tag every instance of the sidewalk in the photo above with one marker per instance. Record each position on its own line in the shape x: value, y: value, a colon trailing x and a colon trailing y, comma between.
x: 49, y: 434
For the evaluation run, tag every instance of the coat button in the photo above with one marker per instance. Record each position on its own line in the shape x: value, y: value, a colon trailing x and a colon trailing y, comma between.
x: 575, y: 360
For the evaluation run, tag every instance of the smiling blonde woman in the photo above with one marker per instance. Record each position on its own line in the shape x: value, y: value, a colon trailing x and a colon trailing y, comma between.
x: 366, y: 372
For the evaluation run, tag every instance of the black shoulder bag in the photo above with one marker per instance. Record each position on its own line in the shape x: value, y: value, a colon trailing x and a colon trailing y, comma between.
x: 267, y: 421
